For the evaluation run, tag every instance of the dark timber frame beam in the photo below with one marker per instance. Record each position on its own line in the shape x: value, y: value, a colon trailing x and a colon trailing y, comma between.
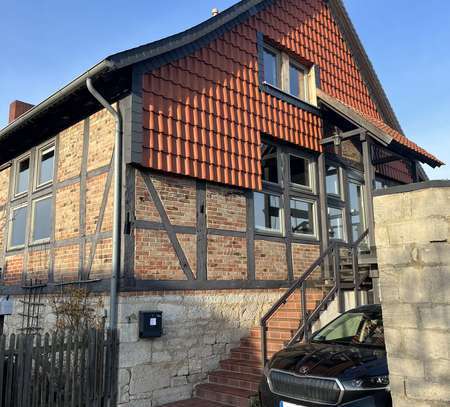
x: 168, y: 226
x: 369, y: 176
x: 336, y: 139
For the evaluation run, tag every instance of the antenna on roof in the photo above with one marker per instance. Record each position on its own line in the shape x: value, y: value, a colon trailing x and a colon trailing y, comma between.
x: 214, y: 11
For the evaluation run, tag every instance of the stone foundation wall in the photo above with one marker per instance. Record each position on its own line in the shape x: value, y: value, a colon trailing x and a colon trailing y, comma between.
x: 199, y: 329
x: 47, y: 319
x: 413, y: 245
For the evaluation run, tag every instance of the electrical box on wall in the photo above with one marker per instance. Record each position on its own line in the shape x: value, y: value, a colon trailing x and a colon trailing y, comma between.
x: 150, y: 324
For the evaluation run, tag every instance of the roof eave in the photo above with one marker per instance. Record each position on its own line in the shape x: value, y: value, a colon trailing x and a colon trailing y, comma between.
x: 98, y: 69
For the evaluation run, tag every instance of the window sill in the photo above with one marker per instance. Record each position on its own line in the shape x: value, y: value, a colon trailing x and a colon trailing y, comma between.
x: 13, y: 249
x: 287, y: 97
x: 39, y: 242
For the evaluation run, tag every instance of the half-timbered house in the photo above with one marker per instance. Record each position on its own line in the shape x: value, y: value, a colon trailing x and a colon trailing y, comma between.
x: 237, y: 159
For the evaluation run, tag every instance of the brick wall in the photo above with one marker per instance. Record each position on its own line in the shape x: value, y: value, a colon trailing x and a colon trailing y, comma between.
x: 270, y: 260
x: 226, y: 246
x: 226, y: 208
x: 302, y: 257
x: 412, y: 235
x: 64, y: 258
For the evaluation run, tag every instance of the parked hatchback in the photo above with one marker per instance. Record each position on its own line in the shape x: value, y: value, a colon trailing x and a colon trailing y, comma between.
x: 344, y: 364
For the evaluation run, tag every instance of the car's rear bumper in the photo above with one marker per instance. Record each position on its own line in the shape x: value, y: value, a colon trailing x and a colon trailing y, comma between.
x: 377, y: 399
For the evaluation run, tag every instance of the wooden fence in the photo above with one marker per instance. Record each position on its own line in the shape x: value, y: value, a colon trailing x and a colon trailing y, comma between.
x: 59, y: 370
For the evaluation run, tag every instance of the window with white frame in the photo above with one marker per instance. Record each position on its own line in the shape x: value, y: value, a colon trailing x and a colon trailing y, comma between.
x: 22, y: 180
x: 45, y: 166
x: 288, y: 191
x: 17, y: 231
x: 31, y: 214
x: 287, y: 74
x: 267, y: 212
x: 42, y: 213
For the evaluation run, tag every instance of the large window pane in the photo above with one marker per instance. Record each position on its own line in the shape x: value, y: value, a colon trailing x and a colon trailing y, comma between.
x: 267, y: 212
x: 42, y: 219
x: 18, y: 226
x: 23, y: 176
x: 299, y: 171
x: 270, y: 67
x: 269, y: 163
x: 45, y: 169
x: 356, y: 209
x: 297, y: 82
x: 302, y: 217
x: 332, y: 180
x: 336, y: 222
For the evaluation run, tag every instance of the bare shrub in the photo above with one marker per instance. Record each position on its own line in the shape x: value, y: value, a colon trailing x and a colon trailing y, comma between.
x: 76, y: 310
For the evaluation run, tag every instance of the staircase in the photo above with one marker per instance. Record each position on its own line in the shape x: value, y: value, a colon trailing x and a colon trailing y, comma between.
x: 236, y: 381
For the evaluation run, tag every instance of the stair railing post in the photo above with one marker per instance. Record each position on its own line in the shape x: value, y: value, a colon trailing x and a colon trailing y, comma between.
x: 264, y: 343
x: 337, y: 279
x: 304, y: 312
x: 356, y: 283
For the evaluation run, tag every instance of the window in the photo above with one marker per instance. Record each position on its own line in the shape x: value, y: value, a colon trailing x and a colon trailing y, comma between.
x: 45, y: 164
x: 332, y: 180
x: 42, y: 216
x: 267, y: 212
x: 23, y: 176
x: 302, y: 217
x: 299, y: 170
x: 298, y: 82
x: 336, y: 223
x: 287, y: 204
x: 31, y: 214
x: 269, y: 163
x: 287, y: 75
x: 270, y: 67
x: 18, y: 227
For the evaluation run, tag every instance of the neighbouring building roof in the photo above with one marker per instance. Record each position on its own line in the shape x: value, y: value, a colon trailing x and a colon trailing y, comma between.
x: 114, y: 72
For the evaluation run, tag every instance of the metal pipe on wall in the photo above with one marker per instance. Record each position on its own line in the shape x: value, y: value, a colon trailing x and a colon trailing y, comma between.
x: 116, y: 243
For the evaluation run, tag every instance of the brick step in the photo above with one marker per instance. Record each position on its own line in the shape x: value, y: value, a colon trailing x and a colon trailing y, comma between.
x: 242, y: 366
x: 246, y: 353
x: 233, y: 379
x: 273, y: 333
x: 229, y: 396
x: 255, y: 344
x: 195, y: 402
x: 284, y: 323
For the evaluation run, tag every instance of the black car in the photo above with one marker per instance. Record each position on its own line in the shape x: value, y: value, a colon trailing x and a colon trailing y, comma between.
x: 344, y: 364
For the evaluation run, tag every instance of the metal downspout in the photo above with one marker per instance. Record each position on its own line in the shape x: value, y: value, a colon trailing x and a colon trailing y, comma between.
x: 116, y: 243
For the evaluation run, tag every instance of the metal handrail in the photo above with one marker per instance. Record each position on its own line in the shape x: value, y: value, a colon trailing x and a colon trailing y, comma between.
x: 307, y: 319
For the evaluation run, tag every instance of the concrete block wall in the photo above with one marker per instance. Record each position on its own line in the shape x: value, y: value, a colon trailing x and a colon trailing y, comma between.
x: 413, y: 245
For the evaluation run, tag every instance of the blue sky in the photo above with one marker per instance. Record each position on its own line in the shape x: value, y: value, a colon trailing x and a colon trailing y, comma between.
x: 44, y: 44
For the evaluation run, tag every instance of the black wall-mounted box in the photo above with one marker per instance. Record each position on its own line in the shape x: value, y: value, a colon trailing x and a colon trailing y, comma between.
x: 150, y: 324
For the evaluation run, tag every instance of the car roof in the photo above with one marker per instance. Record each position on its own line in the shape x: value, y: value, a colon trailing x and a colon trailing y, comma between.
x: 368, y: 309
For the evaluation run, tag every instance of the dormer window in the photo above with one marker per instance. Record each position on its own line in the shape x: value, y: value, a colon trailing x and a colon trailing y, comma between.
x: 298, y: 81
x: 271, y: 71
x: 285, y: 76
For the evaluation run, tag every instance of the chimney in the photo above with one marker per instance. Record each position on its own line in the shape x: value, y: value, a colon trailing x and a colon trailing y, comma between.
x: 214, y: 11
x: 18, y: 108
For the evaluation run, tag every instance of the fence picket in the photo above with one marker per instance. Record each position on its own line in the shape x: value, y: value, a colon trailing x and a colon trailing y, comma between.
x: 44, y: 379
x: 59, y: 370
x: 52, y: 371
x: 73, y: 379
x: 2, y: 367
x: 66, y: 370
x: 18, y: 381
x: 82, y: 369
